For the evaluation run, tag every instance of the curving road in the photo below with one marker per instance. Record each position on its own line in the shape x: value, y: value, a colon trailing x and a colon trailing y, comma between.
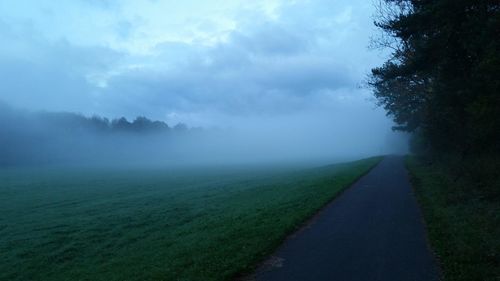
x: 373, y: 231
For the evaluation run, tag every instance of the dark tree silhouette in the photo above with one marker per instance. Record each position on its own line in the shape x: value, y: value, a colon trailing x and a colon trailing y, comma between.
x: 442, y: 81
x: 180, y: 127
x: 28, y: 138
x: 121, y: 124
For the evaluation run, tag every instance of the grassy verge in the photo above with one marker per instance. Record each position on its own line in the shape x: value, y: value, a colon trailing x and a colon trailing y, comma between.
x: 463, y: 225
x: 152, y: 225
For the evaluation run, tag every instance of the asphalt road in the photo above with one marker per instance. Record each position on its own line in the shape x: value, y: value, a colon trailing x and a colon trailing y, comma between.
x: 373, y: 231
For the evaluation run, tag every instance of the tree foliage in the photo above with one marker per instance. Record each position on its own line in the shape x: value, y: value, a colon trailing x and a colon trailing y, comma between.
x: 443, y: 77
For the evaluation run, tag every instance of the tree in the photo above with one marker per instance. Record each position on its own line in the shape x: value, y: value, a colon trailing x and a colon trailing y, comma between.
x: 442, y: 75
x: 180, y: 127
x: 121, y: 124
x: 442, y: 78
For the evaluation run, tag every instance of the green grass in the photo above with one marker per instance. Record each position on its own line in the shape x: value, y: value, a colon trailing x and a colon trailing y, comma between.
x: 154, y: 225
x: 463, y: 225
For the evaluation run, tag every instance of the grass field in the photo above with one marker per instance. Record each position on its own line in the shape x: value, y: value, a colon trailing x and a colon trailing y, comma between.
x: 463, y: 225
x: 154, y: 225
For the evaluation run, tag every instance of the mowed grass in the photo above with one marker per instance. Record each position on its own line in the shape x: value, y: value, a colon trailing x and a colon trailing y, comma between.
x: 463, y: 225
x: 152, y: 224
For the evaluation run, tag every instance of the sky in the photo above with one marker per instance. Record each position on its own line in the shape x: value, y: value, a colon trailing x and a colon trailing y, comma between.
x: 297, y: 65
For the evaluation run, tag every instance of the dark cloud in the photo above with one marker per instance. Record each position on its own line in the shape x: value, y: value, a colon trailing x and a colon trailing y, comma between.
x: 271, y: 39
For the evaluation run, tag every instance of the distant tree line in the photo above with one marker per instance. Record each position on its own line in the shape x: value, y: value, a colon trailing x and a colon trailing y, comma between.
x: 97, y: 123
x: 46, y: 138
x: 442, y: 81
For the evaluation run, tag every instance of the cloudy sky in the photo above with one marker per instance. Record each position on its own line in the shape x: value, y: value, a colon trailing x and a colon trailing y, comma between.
x: 211, y: 63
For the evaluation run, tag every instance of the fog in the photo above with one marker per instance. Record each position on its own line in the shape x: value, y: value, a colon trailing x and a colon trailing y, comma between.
x: 68, y: 139
x: 255, y: 83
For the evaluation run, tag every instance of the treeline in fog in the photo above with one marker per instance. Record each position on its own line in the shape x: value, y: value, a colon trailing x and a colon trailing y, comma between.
x: 41, y: 138
x: 442, y: 83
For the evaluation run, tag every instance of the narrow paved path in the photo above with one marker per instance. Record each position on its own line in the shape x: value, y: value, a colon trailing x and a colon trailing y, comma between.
x: 373, y: 231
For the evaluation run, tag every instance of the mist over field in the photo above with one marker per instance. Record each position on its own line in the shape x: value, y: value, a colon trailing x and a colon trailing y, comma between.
x: 267, y: 81
x: 45, y: 138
